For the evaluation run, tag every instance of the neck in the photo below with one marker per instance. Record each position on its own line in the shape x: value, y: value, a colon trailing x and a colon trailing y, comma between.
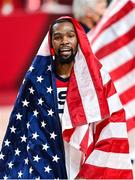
x: 63, y: 70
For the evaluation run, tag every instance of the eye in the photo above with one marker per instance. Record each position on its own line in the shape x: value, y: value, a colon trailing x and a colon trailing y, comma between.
x: 57, y: 37
x: 71, y: 35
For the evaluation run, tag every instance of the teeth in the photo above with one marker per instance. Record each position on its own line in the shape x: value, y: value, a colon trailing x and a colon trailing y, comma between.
x: 65, y: 50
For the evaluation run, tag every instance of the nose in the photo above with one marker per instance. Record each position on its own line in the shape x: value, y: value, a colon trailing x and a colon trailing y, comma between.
x: 65, y: 40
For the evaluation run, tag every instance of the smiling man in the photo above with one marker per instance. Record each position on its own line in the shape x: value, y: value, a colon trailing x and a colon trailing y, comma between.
x: 67, y: 121
x: 64, y: 42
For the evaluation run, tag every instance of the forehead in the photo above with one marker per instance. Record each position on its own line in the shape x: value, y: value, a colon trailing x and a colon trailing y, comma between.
x: 63, y: 27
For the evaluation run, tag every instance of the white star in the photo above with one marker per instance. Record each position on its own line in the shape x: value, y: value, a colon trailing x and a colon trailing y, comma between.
x: 40, y: 79
x: 31, y: 68
x: 25, y: 103
x: 43, y: 124
x: 36, y: 158
x: 49, y: 89
x: 35, y: 135
x: 55, y: 158
x: 53, y: 135
x: 26, y: 161
x: 40, y: 101
x: 35, y: 113
x: 31, y: 90
x: 45, y: 147
x: 5, y: 177
x: 49, y: 68
x: 13, y: 129
x: 28, y: 125
x: 30, y: 170
x: 7, y: 142
x: 50, y: 112
x: 47, y: 169
x: 23, y: 138
x: 38, y: 178
x: 28, y: 147
x: 2, y: 156
x: 10, y: 165
x: 18, y: 116
x: 17, y: 152
x: 20, y: 174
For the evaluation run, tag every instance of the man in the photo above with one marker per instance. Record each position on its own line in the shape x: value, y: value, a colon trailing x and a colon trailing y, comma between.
x: 88, y: 12
x: 83, y: 137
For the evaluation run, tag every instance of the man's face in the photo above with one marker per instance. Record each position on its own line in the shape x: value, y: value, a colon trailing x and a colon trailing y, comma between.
x: 64, y: 42
x: 101, y: 6
x: 98, y: 11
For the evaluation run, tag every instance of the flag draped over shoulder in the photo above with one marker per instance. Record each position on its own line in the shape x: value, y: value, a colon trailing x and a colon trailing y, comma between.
x: 93, y: 122
x: 113, y: 42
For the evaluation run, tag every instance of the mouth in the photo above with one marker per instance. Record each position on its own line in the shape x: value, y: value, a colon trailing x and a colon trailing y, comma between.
x: 65, y: 51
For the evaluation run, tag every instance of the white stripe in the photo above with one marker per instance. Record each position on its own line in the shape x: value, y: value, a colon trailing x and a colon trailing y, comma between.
x: 73, y: 159
x: 44, y: 48
x: 115, y: 6
x: 113, y: 130
x: 105, y: 75
x: 130, y: 109
x: 115, y: 59
x: 86, y: 89
x: 78, y: 136
x: 113, y: 9
x: 65, y: 120
x: 114, y: 103
x: 126, y: 82
x: 110, y: 160
x: 116, y: 30
x: 91, y: 131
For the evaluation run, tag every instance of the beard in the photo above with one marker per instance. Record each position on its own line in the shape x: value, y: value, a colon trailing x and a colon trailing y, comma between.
x: 65, y: 59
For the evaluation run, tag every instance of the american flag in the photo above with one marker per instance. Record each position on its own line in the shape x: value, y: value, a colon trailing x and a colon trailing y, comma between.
x: 33, y: 145
x: 113, y: 42
x: 93, y: 123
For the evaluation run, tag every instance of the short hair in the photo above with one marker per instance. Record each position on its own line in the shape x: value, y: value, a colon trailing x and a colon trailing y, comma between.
x: 58, y: 21
x: 79, y: 7
x: 55, y: 22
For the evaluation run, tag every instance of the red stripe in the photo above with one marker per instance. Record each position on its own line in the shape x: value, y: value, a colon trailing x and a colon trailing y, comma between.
x: 67, y: 134
x: 90, y: 149
x: 128, y: 95
x: 93, y: 172
x: 118, y: 116
x: 131, y: 123
x: 116, y: 44
x: 116, y: 17
x: 123, y: 69
x: 115, y: 145
x: 94, y: 69
x: 74, y: 102
x: 109, y: 89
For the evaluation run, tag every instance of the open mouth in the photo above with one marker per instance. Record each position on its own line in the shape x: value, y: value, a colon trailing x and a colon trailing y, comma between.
x: 65, y: 51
